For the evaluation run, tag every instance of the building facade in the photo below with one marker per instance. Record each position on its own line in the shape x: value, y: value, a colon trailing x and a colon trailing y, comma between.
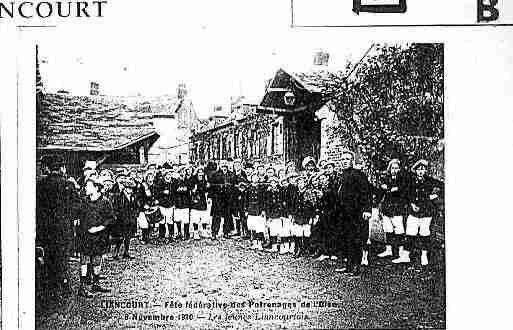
x: 174, y: 119
x: 282, y: 128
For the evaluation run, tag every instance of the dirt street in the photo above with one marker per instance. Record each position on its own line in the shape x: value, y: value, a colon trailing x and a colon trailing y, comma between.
x: 223, y: 284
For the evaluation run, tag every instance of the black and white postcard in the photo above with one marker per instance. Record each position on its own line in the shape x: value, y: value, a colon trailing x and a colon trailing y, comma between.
x: 254, y: 164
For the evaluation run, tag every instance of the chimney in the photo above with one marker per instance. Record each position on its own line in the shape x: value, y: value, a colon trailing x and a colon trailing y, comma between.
x: 321, y: 58
x: 94, y: 88
x: 181, y: 91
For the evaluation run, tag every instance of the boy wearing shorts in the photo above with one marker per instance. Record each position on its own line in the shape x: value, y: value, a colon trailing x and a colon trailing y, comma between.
x: 199, y: 212
x: 273, y: 211
x: 166, y: 202
x: 255, y: 213
x: 182, y: 204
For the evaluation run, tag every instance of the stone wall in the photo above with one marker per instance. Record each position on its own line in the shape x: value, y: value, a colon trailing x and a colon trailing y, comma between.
x: 332, y: 140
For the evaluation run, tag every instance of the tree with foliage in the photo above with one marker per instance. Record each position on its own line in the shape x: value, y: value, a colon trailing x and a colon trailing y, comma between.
x: 390, y: 105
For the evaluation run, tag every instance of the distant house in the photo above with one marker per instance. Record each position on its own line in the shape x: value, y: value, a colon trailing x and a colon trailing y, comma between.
x: 83, y: 128
x: 175, y: 119
x: 282, y: 127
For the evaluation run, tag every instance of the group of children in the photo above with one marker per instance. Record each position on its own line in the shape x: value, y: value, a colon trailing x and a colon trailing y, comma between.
x: 314, y: 212
x: 277, y: 211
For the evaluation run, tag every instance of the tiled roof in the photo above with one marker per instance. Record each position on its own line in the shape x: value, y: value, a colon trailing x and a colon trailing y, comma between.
x: 83, y: 123
x: 303, y: 87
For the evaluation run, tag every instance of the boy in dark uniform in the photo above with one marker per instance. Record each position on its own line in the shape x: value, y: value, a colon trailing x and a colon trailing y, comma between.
x: 304, y: 212
x: 149, y: 202
x: 254, y: 206
x: 273, y: 206
x: 182, y: 204
x: 166, y: 201
x: 289, y: 192
x: 422, y: 193
x: 199, y: 210
x: 393, y: 206
x: 97, y: 214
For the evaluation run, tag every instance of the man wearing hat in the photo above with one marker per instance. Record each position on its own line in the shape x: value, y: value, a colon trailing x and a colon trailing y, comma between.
x: 57, y: 203
x: 237, y: 197
x: 354, y: 203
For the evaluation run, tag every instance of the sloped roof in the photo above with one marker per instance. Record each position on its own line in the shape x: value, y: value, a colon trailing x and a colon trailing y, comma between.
x: 304, y: 89
x: 83, y: 123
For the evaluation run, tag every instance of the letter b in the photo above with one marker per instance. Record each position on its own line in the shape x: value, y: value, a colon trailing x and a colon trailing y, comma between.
x: 490, y: 8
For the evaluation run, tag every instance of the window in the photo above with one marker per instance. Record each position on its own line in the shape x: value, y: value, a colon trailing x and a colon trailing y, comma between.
x: 263, y: 145
x: 273, y: 139
x: 219, y: 146
x: 235, y: 144
x: 228, y: 147
x: 254, y: 143
x: 278, y: 139
x: 142, y: 156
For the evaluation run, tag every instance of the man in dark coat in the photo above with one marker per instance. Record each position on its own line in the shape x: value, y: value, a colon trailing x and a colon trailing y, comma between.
x: 228, y: 192
x: 216, y: 193
x: 57, y: 202
x: 237, y: 197
x: 127, y: 208
x: 354, y: 198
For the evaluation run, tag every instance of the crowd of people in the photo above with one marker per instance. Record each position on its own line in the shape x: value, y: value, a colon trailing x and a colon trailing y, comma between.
x: 317, y: 212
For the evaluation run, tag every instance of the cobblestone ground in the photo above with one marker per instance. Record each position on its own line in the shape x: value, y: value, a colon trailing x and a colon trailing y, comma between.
x: 226, y: 271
